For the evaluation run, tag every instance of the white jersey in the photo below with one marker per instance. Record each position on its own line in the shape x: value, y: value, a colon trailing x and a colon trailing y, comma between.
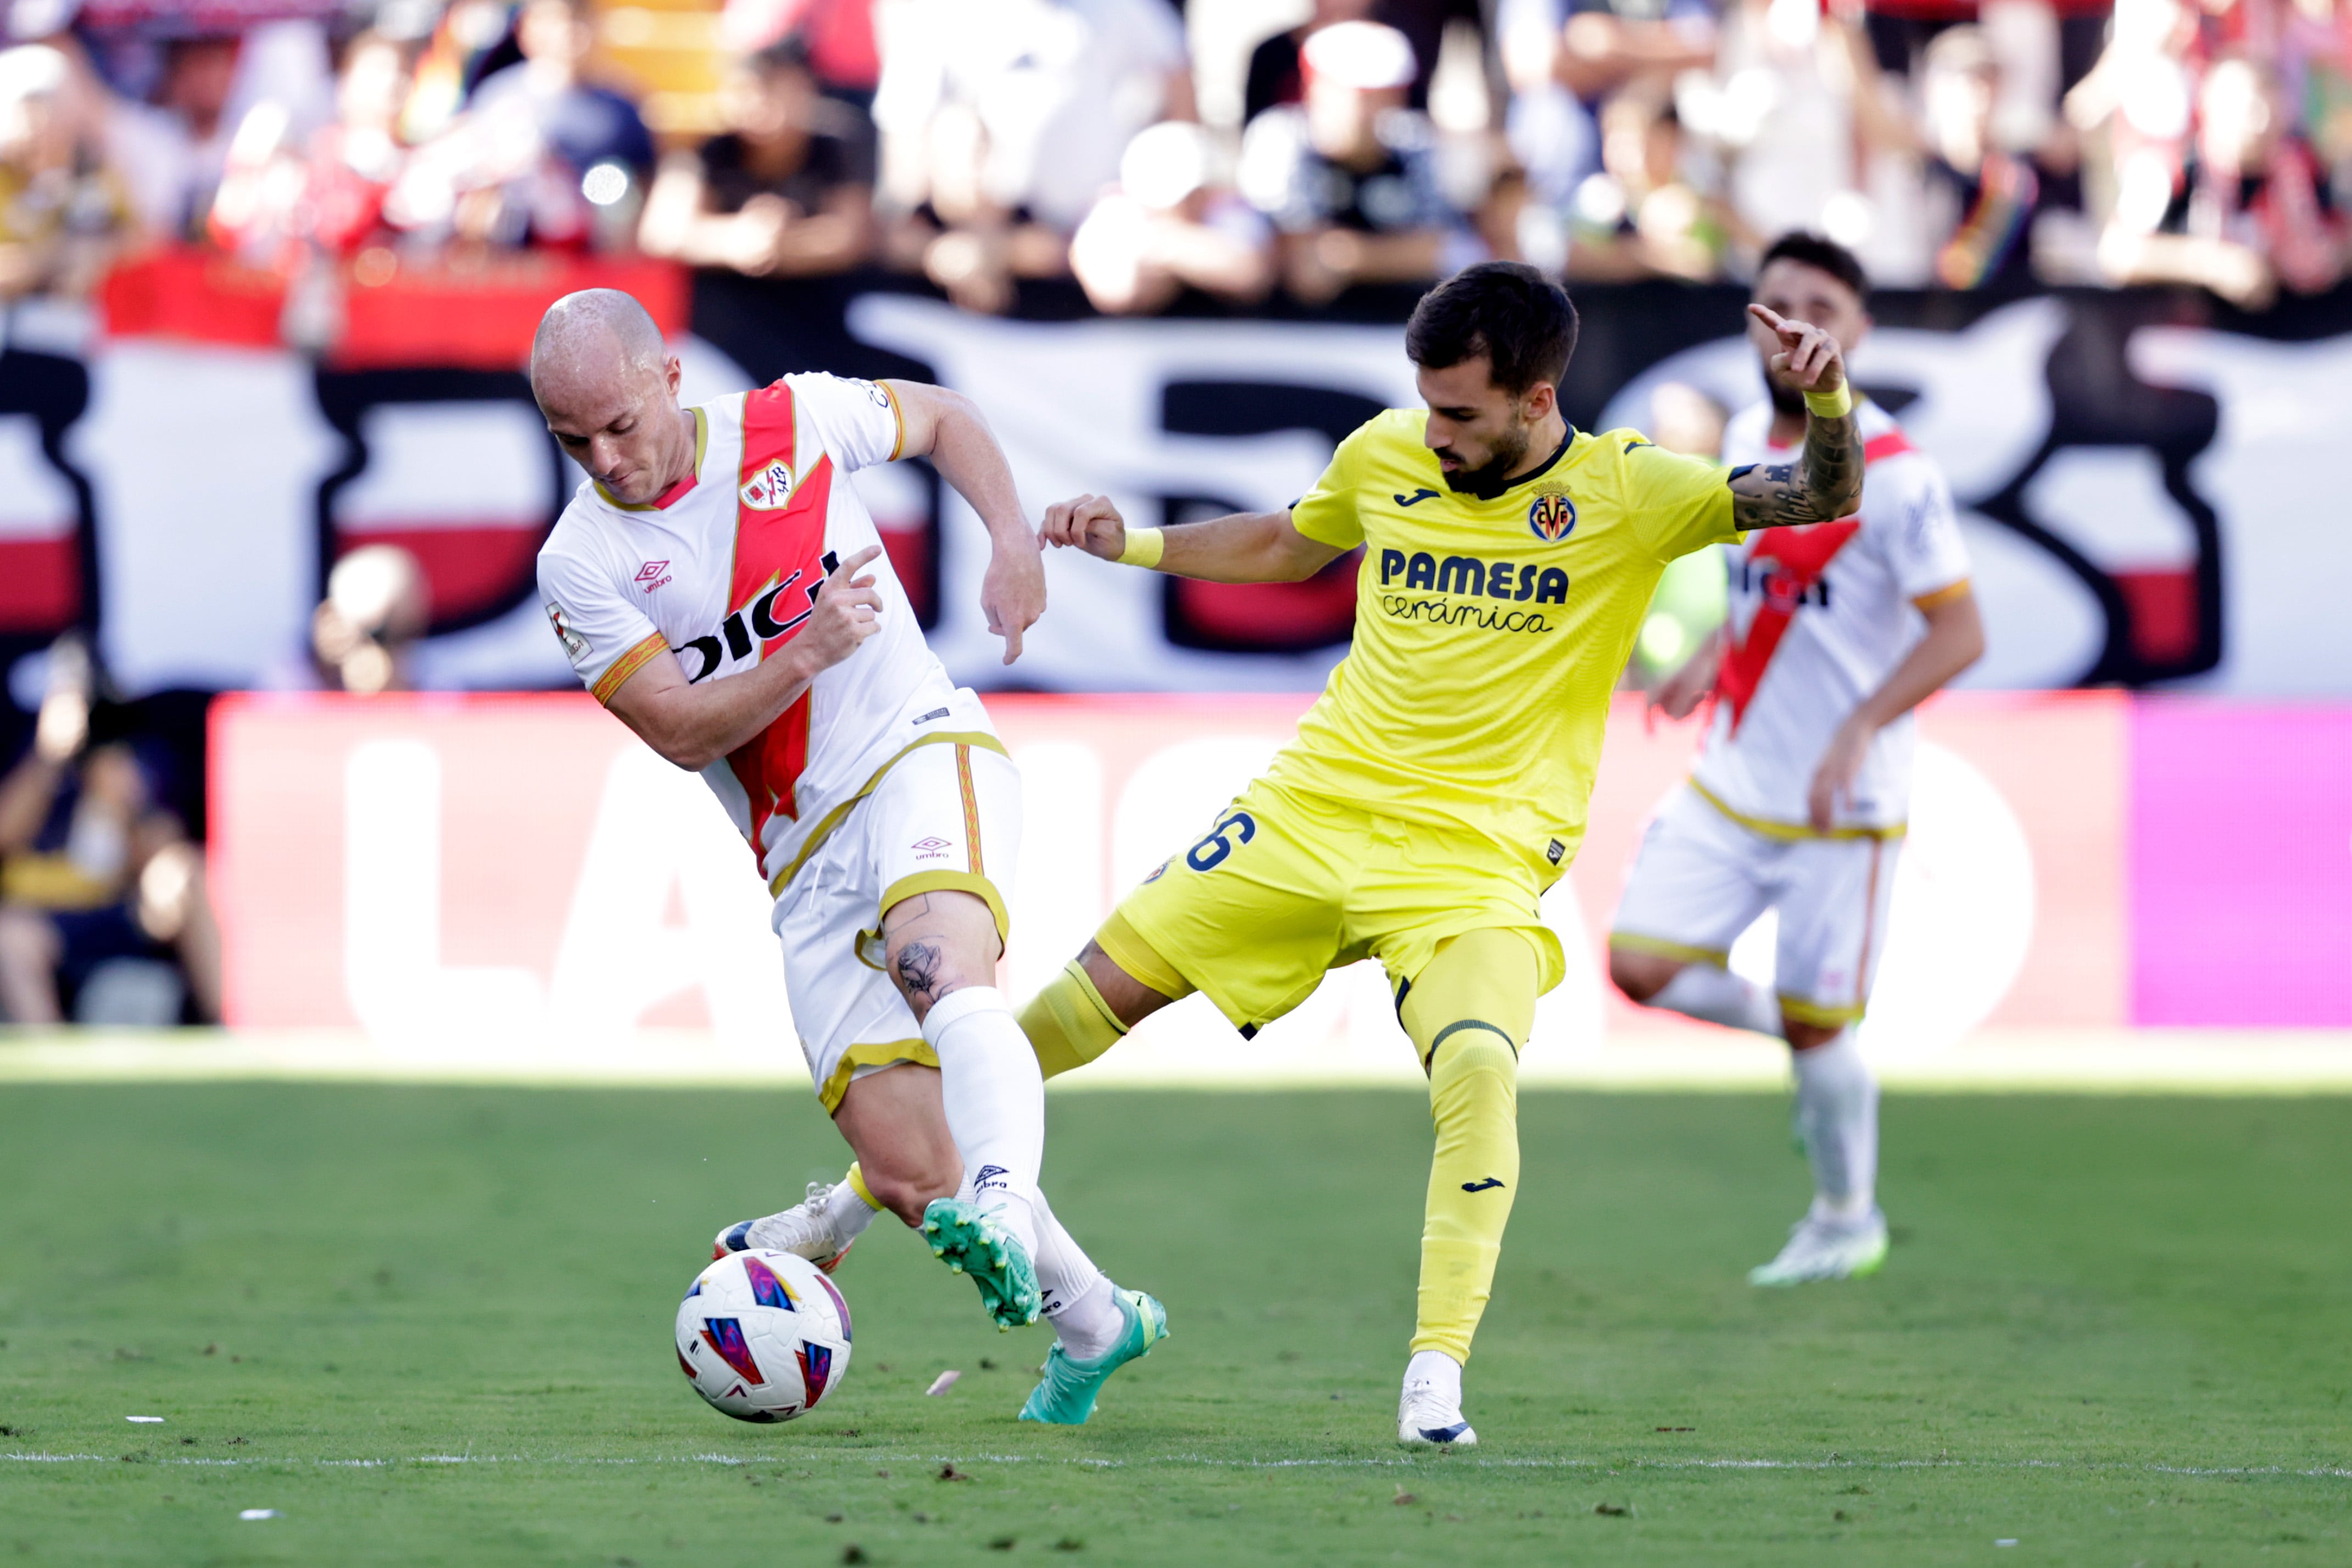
x: 1821, y: 616
x: 722, y: 570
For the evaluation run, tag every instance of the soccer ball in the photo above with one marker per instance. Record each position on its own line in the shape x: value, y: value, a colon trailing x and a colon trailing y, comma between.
x: 762, y: 1335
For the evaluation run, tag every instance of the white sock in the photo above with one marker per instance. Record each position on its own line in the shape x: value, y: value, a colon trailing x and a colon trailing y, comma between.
x: 1718, y: 995
x: 1078, y: 1297
x: 1435, y: 1366
x: 1837, y: 1117
x: 995, y: 1100
x: 847, y: 1212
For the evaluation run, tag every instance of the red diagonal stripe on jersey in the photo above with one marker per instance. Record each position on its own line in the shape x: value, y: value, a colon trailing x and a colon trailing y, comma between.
x: 778, y: 566
x: 1792, y: 560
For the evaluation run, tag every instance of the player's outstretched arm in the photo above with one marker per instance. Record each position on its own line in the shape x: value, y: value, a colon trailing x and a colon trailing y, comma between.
x: 1246, y: 546
x: 695, y: 726
x: 948, y: 428
x: 1826, y: 484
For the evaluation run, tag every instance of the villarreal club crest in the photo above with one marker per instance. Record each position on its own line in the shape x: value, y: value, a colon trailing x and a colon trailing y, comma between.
x: 1551, y: 516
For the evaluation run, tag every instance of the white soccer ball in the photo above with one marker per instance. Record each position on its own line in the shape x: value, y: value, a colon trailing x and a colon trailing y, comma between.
x: 763, y: 1336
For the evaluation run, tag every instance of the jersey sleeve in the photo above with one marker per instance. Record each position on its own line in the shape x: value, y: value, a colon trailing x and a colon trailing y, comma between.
x: 860, y: 422
x: 1327, y: 514
x: 1678, y: 504
x: 606, y: 638
x: 1924, y: 548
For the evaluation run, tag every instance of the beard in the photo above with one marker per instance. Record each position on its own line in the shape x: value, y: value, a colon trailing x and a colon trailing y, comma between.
x: 1487, y: 479
x: 1785, y: 400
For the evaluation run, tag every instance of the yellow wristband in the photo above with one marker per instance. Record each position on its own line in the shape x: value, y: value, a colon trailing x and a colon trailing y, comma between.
x: 1831, y: 405
x: 1143, y: 547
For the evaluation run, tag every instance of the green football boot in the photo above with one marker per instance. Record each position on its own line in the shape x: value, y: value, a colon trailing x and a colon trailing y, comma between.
x: 1065, y: 1396
x: 973, y: 1243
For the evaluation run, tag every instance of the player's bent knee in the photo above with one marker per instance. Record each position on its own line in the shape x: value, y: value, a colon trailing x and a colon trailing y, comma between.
x: 1806, y: 1036
x: 1641, y: 975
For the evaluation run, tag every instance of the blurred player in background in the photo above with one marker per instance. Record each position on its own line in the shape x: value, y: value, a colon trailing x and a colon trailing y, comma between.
x: 720, y: 586
x: 1440, y: 784
x: 1837, y: 631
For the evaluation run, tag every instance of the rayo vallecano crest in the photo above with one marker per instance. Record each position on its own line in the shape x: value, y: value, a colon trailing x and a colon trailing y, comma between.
x: 770, y: 488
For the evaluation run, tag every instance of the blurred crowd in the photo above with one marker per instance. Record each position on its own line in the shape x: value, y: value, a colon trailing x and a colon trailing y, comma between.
x: 1231, y: 147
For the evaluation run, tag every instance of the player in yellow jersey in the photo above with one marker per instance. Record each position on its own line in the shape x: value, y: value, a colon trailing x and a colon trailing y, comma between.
x: 1439, y: 786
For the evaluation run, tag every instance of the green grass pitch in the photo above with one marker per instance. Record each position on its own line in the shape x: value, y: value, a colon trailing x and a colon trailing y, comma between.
x: 428, y: 1325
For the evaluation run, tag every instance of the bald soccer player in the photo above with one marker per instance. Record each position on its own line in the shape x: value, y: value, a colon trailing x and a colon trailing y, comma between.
x: 718, y: 585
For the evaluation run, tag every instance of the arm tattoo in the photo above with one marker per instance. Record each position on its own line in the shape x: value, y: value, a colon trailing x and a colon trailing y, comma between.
x: 920, y: 965
x: 1826, y: 486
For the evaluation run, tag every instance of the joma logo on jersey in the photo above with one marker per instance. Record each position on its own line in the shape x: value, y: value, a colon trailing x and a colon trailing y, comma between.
x: 771, y: 488
x: 1508, y: 580
x: 1551, y: 516
x: 759, y: 621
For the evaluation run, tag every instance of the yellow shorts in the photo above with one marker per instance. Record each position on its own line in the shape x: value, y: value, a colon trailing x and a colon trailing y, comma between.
x: 1288, y: 885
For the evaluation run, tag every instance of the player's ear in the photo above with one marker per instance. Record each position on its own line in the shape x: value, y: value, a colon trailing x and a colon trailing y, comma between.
x: 1537, y: 401
x: 673, y: 372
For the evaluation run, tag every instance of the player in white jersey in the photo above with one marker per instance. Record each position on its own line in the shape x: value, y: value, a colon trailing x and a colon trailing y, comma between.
x: 1798, y: 803
x: 719, y: 586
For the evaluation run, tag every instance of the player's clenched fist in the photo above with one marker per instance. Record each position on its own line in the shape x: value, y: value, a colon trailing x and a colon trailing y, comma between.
x: 1090, y: 523
x: 843, y: 613
x: 1808, y: 357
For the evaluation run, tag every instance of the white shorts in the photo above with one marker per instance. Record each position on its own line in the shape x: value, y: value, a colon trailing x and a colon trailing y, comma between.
x: 1700, y: 879
x: 944, y: 816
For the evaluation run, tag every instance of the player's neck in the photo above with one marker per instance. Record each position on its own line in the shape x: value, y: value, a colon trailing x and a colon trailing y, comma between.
x: 680, y: 467
x: 1544, y: 437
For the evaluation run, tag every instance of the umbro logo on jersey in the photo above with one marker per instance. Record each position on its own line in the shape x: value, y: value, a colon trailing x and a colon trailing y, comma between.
x: 1416, y: 498
x: 771, y: 488
x: 653, y: 574
x: 931, y: 848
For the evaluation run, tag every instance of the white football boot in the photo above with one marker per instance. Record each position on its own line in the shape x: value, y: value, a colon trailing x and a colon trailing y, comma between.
x: 1429, y: 1412
x: 1822, y: 1248
x: 804, y: 1229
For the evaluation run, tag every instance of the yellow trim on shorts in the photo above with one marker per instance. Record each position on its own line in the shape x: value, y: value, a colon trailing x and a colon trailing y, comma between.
x: 1658, y: 947
x: 609, y: 683
x: 833, y: 819
x: 979, y: 886
x: 1126, y: 947
x: 1943, y: 595
x: 1794, y: 833
x: 1797, y: 1010
x: 882, y: 1054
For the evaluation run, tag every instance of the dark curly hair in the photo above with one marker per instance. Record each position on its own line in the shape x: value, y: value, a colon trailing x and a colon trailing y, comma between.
x: 1517, y: 318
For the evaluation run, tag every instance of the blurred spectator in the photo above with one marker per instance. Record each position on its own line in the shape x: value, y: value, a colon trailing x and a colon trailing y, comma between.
x: 789, y: 190
x: 540, y: 155
x: 1172, y: 225
x: 472, y: 38
x: 1563, y: 57
x: 62, y: 213
x: 377, y: 605
x: 332, y: 195
x: 1276, y: 76
x: 581, y: 123
x: 837, y: 33
x: 1350, y: 177
x: 1981, y: 198
x: 174, y: 151
x: 2251, y: 211
x: 1641, y: 215
x: 1003, y: 121
x: 100, y: 886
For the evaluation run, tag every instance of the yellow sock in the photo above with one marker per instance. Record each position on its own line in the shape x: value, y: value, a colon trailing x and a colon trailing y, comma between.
x: 856, y: 1179
x: 1468, y: 1013
x: 1068, y: 1023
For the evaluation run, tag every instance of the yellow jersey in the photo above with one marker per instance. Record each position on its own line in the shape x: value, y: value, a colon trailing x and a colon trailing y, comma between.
x: 1490, y: 632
